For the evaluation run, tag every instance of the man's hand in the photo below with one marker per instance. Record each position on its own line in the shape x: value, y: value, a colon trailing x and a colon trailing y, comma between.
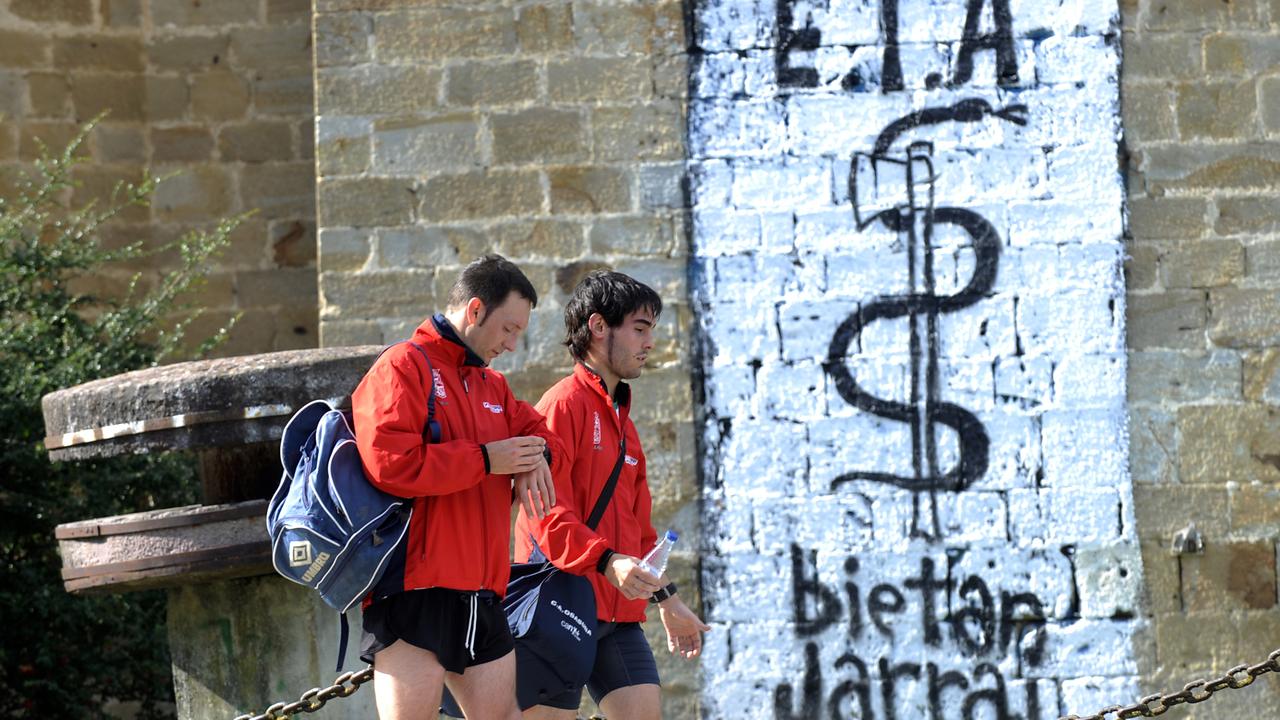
x: 629, y: 576
x: 515, y: 455
x: 684, y: 629
x: 536, y: 490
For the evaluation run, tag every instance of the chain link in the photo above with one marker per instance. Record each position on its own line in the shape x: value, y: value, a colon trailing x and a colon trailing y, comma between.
x: 1196, y: 691
x: 312, y: 700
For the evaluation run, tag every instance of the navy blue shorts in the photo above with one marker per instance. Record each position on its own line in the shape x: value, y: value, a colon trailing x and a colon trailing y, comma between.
x: 623, y: 659
x: 438, y: 619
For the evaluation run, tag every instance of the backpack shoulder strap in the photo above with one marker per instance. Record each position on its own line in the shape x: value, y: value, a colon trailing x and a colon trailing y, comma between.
x: 606, y: 494
x: 431, y: 431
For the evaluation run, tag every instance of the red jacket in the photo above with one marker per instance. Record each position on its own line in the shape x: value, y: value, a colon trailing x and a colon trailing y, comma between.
x: 458, y: 537
x: 578, y: 409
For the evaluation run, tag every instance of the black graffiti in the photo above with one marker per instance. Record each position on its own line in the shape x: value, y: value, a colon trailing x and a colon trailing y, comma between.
x: 891, y: 60
x: 943, y: 689
x: 1001, y: 41
x: 791, y: 38
x: 984, y: 624
x: 811, y: 690
x: 970, y: 110
x: 800, y: 34
x: 916, y: 217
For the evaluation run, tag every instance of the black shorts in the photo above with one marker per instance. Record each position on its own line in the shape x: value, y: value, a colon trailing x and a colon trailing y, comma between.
x: 623, y: 659
x: 439, y: 620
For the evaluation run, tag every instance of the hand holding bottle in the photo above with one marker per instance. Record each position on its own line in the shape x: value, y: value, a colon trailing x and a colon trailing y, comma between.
x: 632, y: 579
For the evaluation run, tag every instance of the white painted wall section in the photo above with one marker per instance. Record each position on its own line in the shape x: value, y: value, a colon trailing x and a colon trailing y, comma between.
x: 907, y: 220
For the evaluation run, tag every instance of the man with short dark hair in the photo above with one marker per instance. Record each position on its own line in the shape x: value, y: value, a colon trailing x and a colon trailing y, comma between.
x: 435, y: 618
x: 609, y: 323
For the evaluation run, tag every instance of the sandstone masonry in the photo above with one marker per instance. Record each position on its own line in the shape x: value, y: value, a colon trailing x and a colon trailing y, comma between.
x: 215, y: 97
x: 550, y: 132
x: 1199, y: 94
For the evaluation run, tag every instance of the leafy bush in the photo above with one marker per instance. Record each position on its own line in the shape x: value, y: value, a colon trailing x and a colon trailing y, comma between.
x: 62, y: 655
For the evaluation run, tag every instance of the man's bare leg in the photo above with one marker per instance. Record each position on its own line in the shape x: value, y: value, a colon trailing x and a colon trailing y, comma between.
x: 407, y: 682
x: 634, y: 702
x: 546, y: 712
x: 487, y: 691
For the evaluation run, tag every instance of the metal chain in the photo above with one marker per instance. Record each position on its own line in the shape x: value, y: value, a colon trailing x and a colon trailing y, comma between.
x: 1196, y: 691
x: 312, y: 700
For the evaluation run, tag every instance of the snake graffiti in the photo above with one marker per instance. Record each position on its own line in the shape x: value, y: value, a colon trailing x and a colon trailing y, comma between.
x: 914, y: 217
x: 906, y: 248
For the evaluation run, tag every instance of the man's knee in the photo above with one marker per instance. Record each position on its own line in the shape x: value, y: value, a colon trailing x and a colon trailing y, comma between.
x: 545, y: 712
x: 405, y: 680
x: 634, y: 702
x: 487, y: 690
x: 404, y: 661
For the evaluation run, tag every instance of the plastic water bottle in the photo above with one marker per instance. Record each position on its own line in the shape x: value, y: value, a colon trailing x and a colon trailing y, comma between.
x: 655, y: 561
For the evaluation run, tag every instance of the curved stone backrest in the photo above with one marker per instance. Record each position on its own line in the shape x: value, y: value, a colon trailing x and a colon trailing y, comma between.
x: 196, y: 405
x: 231, y: 412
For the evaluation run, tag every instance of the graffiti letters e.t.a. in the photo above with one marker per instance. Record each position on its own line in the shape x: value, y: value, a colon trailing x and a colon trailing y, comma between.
x: 797, y: 33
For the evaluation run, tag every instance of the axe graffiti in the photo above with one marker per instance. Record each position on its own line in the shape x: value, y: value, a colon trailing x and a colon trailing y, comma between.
x: 911, y: 213
x: 893, y: 184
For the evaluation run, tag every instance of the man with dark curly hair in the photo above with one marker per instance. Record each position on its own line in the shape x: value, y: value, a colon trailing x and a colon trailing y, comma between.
x: 609, y: 324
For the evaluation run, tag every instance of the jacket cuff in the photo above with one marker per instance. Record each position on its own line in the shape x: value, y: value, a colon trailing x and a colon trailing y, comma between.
x: 603, y: 562
x: 484, y: 452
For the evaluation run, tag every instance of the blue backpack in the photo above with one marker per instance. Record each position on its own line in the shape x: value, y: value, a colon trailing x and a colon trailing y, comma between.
x: 330, y: 528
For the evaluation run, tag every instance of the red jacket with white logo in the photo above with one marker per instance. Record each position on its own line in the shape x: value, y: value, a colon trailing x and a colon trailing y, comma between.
x: 459, y: 535
x: 578, y: 409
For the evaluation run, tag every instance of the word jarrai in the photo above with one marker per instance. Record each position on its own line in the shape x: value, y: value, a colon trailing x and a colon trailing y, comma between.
x: 984, y: 627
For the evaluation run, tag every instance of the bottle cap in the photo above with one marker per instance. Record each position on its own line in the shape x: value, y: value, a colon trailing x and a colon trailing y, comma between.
x: 672, y: 536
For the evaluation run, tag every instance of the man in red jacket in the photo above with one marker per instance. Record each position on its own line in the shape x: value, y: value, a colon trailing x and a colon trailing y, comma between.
x: 435, y: 618
x: 609, y: 324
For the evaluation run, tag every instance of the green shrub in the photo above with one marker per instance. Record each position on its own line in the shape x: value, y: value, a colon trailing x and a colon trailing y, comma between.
x: 62, y: 655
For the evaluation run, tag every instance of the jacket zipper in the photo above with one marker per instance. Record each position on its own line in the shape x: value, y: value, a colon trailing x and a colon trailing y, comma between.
x: 431, y: 389
x: 613, y: 507
x: 484, y: 514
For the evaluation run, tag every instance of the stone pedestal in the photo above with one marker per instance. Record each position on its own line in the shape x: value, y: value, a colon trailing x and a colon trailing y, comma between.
x: 241, y: 637
x: 238, y: 646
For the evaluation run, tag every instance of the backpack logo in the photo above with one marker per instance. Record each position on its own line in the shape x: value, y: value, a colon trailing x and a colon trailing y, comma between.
x: 316, y: 566
x: 299, y: 553
x: 595, y: 433
x: 438, y: 384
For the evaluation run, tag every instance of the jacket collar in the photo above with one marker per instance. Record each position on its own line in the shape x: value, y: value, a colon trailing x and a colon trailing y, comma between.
x: 439, y: 333
x: 591, y: 379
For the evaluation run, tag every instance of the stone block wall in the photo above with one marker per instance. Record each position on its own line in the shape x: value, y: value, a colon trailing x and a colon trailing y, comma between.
x: 707, y: 147
x: 549, y: 132
x: 1201, y: 88
x: 217, y: 95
